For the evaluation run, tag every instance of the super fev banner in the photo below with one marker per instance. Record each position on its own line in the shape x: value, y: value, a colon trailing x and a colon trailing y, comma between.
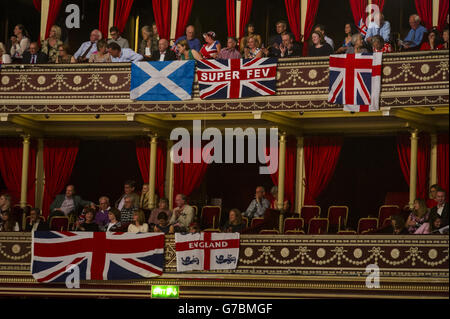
x: 207, y: 251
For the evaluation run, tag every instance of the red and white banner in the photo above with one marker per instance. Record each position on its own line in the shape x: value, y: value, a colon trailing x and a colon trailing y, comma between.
x: 206, y: 251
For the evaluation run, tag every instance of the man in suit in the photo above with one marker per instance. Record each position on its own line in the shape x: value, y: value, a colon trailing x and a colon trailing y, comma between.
x: 69, y: 203
x: 34, y: 56
x: 129, y: 191
x: 164, y: 53
x: 442, y: 208
x: 36, y: 223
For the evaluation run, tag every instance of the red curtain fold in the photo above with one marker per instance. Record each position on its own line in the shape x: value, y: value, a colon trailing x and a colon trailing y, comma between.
x: 423, y: 161
x: 443, y: 12
x: 143, y: 156
x: 321, y: 157
x: 37, y: 5
x: 162, y: 12
x: 425, y: 11
x: 59, y: 159
x: 103, y: 19
x: 311, y: 13
x: 443, y: 159
x: 379, y: 3
x: 184, y: 12
x: 293, y: 14
x: 231, y: 18
x: 246, y: 11
x: 359, y: 10
x: 123, y: 8
x: 53, y: 12
x: 11, y: 151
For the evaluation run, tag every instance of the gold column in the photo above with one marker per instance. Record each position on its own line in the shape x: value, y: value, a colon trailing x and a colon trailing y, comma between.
x: 303, y: 10
x: 435, y: 13
x: 45, y: 5
x: 136, y: 35
x: 238, y: 19
x: 152, y: 176
x: 300, y: 175
x: 40, y: 176
x: 281, y: 176
x: 433, y: 160
x: 25, y: 160
x: 174, y: 20
x: 169, y: 175
x: 110, y: 18
x: 413, y: 168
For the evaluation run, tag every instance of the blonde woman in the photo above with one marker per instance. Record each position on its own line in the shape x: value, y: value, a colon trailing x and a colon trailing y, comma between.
x: 50, y: 45
x: 418, y: 216
x: 145, y: 47
x: 253, y: 49
x: 138, y: 225
x: 4, y: 57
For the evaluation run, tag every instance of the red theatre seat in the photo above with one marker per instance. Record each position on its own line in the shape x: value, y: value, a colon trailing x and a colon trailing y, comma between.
x: 293, y: 224
x: 257, y: 222
x: 309, y: 212
x: 337, y: 216
x: 269, y: 232
x: 346, y: 232
x: 294, y: 232
x: 318, y: 226
x: 367, y: 224
x: 397, y: 198
x: 245, y: 221
x: 59, y: 223
x: 386, y: 211
x: 210, y: 217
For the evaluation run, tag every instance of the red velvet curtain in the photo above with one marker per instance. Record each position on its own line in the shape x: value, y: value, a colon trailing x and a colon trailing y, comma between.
x: 443, y: 161
x: 37, y: 5
x: 443, y: 12
x: 359, y: 10
x: 53, y: 12
x: 231, y: 18
x: 246, y: 11
x: 103, y: 19
x: 423, y: 161
x: 311, y: 12
x: 59, y: 159
x: 11, y: 151
x: 293, y: 13
x: 290, y: 174
x: 425, y: 11
x: 184, y: 12
x: 321, y: 157
x: 379, y: 3
x: 123, y: 8
x: 143, y: 156
x: 162, y: 12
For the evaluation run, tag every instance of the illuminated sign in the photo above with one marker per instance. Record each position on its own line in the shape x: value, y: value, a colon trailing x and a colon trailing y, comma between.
x: 165, y: 291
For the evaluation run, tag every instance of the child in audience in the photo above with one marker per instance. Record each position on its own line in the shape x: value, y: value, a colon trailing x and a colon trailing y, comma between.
x: 163, y: 224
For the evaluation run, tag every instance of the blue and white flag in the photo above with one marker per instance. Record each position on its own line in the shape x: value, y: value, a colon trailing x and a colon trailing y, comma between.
x: 162, y: 80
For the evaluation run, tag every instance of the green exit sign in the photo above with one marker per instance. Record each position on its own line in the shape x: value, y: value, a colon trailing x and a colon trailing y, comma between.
x: 165, y: 291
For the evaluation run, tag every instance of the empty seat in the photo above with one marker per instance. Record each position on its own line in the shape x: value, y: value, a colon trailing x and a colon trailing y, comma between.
x: 386, y: 211
x: 210, y: 217
x: 269, y: 232
x: 257, y: 222
x: 367, y: 224
x: 337, y: 216
x: 245, y: 221
x: 293, y: 224
x: 294, y: 232
x: 386, y: 223
x: 59, y: 223
x: 309, y: 212
x: 318, y: 226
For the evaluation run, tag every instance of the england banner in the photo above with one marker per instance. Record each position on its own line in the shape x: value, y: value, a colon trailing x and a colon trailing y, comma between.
x: 207, y: 251
x: 236, y: 78
x: 162, y: 80
x: 355, y: 81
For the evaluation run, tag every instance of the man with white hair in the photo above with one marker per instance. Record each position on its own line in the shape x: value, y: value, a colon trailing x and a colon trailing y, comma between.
x: 87, y: 48
x: 415, y: 36
x: 379, y: 27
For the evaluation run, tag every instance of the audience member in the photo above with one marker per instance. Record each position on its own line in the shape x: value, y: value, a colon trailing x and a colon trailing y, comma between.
x: 128, y: 209
x: 432, y: 226
x: 194, y: 227
x: 347, y: 40
x: 441, y: 209
x: 144, y: 198
x: 163, y: 225
x: 398, y: 225
x: 114, y: 224
x: 117, y: 38
x: 432, y: 43
x: 102, y: 216
x: 418, y: 216
x: 250, y: 31
x: 274, y: 205
x: 234, y: 223
x: 63, y: 56
x: 212, y: 47
x: 253, y: 49
x: 5, y: 203
x: 102, y: 55
x: 415, y: 36
x: 319, y: 47
x: 123, y: 55
x: 379, y: 27
x: 276, y: 40
x: 258, y: 206
x: 35, y: 222
x: 186, y: 53
x: 163, y: 207
x: 8, y: 224
x: 230, y: 52
x: 288, y: 47
x: 4, y: 57
x: 182, y: 216
x: 138, y: 224
x: 89, y: 224
x: 34, y: 56
x: 89, y: 47
x: 193, y: 42
x: 20, y: 42
x: 50, y: 45
x: 445, y: 45
x: 146, y: 46
x: 431, y: 201
x: 156, y: 37
x: 164, y: 53
x: 321, y: 28
x: 357, y: 44
x: 378, y: 45
x: 129, y: 188
x: 69, y: 203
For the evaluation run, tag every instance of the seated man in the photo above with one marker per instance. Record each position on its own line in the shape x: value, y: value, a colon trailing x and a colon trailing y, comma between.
x: 102, y: 216
x: 87, y: 48
x: 230, y: 52
x: 442, y: 207
x: 193, y: 42
x: 34, y: 55
x: 276, y: 40
x: 116, y: 37
x: 182, y: 216
x: 415, y: 36
x: 164, y: 53
x: 35, y: 223
x: 63, y: 205
x: 288, y: 47
x: 258, y: 206
x: 379, y: 27
x: 321, y: 28
x: 127, y: 210
x: 123, y: 55
x: 128, y: 188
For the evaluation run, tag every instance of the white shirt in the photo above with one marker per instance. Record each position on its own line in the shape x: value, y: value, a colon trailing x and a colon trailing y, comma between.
x: 6, y: 59
x: 440, y: 209
x: 138, y: 229
x: 329, y: 41
x: 127, y: 55
x: 67, y: 206
x: 162, y: 56
x: 121, y: 203
x: 19, y: 48
x: 83, y: 49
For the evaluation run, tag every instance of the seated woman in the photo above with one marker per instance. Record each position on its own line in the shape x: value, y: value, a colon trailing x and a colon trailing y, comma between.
x: 234, y: 223
x: 8, y: 224
x: 253, y: 49
x: 357, y: 44
x: 163, y: 224
x: 319, y: 47
x: 212, y: 47
x: 146, y: 47
x: 138, y: 225
x: 430, y: 227
x: 250, y: 33
x: 418, y: 216
x: 35, y: 223
x: 5, y: 203
x: 378, y: 45
x: 163, y: 207
x: 102, y: 55
x: 186, y: 53
x: 432, y: 43
x: 274, y: 204
x: 398, y: 225
x: 51, y: 44
x: 114, y: 220
x: 63, y: 56
x: 347, y: 40
x: 445, y: 45
x: 89, y: 223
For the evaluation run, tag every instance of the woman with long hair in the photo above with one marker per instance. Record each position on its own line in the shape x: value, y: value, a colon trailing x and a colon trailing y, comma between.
x: 418, y: 216
x: 20, y: 42
x: 234, y: 223
x: 138, y: 225
x: 348, y: 30
x: 5, y: 203
x: 253, y: 49
x: 50, y: 45
x: 250, y: 32
x: 319, y: 47
x: 8, y: 224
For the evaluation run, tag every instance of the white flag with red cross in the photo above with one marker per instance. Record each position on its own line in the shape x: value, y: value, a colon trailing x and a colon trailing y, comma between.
x: 207, y: 251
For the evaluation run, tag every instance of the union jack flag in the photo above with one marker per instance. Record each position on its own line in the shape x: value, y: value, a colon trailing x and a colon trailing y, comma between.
x: 362, y: 27
x: 236, y: 78
x: 99, y: 256
x: 355, y: 81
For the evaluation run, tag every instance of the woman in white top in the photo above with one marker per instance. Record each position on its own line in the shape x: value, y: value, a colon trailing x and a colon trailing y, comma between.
x: 4, y: 58
x: 20, y: 42
x: 253, y: 50
x: 138, y: 225
x: 7, y: 222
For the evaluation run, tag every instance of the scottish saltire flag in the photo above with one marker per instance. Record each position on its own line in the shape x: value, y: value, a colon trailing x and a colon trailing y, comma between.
x: 236, y: 78
x: 207, y: 251
x: 98, y: 256
x: 362, y: 27
x: 162, y: 80
x: 355, y: 81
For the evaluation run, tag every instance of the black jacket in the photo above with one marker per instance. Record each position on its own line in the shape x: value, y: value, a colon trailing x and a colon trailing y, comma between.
x: 444, y: 215
x: 170, y: 55
x: 41, y: 227
x: 41, y: 58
